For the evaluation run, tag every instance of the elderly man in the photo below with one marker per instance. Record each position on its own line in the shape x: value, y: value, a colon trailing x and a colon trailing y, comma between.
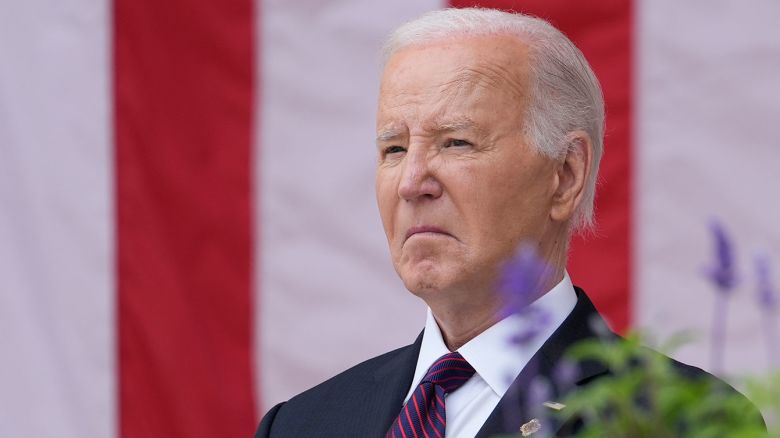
x: 489, y: 135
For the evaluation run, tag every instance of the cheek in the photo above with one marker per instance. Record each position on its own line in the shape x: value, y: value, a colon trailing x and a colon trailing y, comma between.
x: 386, y: 200
x: 526, y: 211
x: 506, y: 207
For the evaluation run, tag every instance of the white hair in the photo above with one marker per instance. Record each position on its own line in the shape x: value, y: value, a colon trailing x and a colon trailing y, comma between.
x: 565, y: 95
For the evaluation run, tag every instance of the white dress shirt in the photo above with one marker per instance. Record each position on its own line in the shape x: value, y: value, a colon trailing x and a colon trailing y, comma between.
x: 496, y: 360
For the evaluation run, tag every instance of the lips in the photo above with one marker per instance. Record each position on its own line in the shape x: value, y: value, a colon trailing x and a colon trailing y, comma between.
x: 425, y: 229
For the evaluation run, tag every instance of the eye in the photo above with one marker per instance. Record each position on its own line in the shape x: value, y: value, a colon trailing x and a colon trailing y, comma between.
x: 393, y: 150
x: 456, y: 143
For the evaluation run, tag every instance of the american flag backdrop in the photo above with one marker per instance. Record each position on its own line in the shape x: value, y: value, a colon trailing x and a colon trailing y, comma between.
x: 188, y: 230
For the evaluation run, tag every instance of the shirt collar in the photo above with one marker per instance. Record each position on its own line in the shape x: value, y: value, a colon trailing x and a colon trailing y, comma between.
x: 493, y: 357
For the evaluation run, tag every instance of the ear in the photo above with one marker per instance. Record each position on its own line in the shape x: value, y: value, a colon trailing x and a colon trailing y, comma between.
x: 573, y: 171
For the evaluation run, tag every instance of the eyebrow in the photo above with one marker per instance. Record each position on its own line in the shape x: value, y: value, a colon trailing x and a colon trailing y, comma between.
x: 461, y: 124
x: 388, y: 134
x: 437, y: 127
x: 448, y: 125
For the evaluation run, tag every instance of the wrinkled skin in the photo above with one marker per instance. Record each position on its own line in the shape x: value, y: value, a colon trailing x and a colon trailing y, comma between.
x: 458, y: 185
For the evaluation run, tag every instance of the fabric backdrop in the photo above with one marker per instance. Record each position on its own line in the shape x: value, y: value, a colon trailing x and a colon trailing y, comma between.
x: 188, y: 230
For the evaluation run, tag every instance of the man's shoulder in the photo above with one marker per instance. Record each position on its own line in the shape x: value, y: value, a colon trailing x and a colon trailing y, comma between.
x: 359, y: 375
x: 354, y: 402
x: 690, y: 371
x: 715, y: 383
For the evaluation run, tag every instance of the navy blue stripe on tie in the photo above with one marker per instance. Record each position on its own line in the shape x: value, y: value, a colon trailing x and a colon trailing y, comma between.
x: 424, y: 415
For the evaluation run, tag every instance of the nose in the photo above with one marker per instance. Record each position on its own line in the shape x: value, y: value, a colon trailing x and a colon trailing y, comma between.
x: 419, y: 179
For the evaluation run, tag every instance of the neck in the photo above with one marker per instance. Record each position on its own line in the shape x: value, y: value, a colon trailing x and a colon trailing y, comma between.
x: 458, y: 327
x: 462, y: 321
x: 460, y: 324
x: 463, y: 316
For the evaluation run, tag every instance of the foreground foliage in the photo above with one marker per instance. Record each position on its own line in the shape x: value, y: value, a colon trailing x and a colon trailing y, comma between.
x: 648, y: 396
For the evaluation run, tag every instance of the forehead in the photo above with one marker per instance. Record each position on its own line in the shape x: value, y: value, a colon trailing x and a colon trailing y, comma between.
x: 463, y: 73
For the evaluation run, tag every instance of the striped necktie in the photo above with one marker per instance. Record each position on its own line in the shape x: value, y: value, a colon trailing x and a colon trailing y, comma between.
x: 423, y: 415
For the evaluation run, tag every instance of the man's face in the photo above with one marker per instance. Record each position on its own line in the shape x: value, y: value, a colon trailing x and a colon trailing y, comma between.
x: 457, y: 184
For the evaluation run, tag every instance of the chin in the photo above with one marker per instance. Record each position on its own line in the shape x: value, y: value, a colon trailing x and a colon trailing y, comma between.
x: 422, y: 287
x: 427, y: 270
x: 424, y: 280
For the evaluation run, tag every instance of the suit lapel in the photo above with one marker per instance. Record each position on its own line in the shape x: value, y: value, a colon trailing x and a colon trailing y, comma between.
x: 391, y: 383
x: 512, y: 411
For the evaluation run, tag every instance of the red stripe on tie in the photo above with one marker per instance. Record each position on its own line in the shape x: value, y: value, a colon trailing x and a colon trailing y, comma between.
x: 438, y: 435
x: 401, y: 427
x: 453, y: 368
x: 438, y: 415
x: 446, y: 379
x: 602, y: 29
x: 417, y: 409
x: 428, y: 409
x: 428, y: 417
x: 409, y: 418
x: 456, y: 359
x: 183, y: 96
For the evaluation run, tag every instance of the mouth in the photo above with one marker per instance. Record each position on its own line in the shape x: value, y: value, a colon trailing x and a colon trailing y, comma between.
x: 425, y: 229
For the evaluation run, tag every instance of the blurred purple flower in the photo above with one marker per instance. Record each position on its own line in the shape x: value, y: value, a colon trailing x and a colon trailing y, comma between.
x: 520, y: 280
x: 599, y: 327
x: 767, y: 301
x: 723, y: 275
x: 519, y: 285
x: 766, y: 291
x: 723, y: 272
x: 535, y: 321
x: 539, y: 392
x: 565, y: 374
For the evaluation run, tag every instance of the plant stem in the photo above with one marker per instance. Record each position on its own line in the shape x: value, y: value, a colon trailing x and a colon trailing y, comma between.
x: 771, y: 336
x: 719, y: 332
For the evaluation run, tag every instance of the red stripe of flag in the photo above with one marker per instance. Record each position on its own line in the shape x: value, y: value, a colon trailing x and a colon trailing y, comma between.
x: 602, y: 29
x: 183, y: 123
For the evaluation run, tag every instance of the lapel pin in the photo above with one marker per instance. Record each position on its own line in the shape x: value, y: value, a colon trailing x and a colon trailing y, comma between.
x: 532, y: 426
x: 554, y: 405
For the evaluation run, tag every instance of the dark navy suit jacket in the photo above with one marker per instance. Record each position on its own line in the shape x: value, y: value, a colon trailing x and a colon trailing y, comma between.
x: 364, y: 400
